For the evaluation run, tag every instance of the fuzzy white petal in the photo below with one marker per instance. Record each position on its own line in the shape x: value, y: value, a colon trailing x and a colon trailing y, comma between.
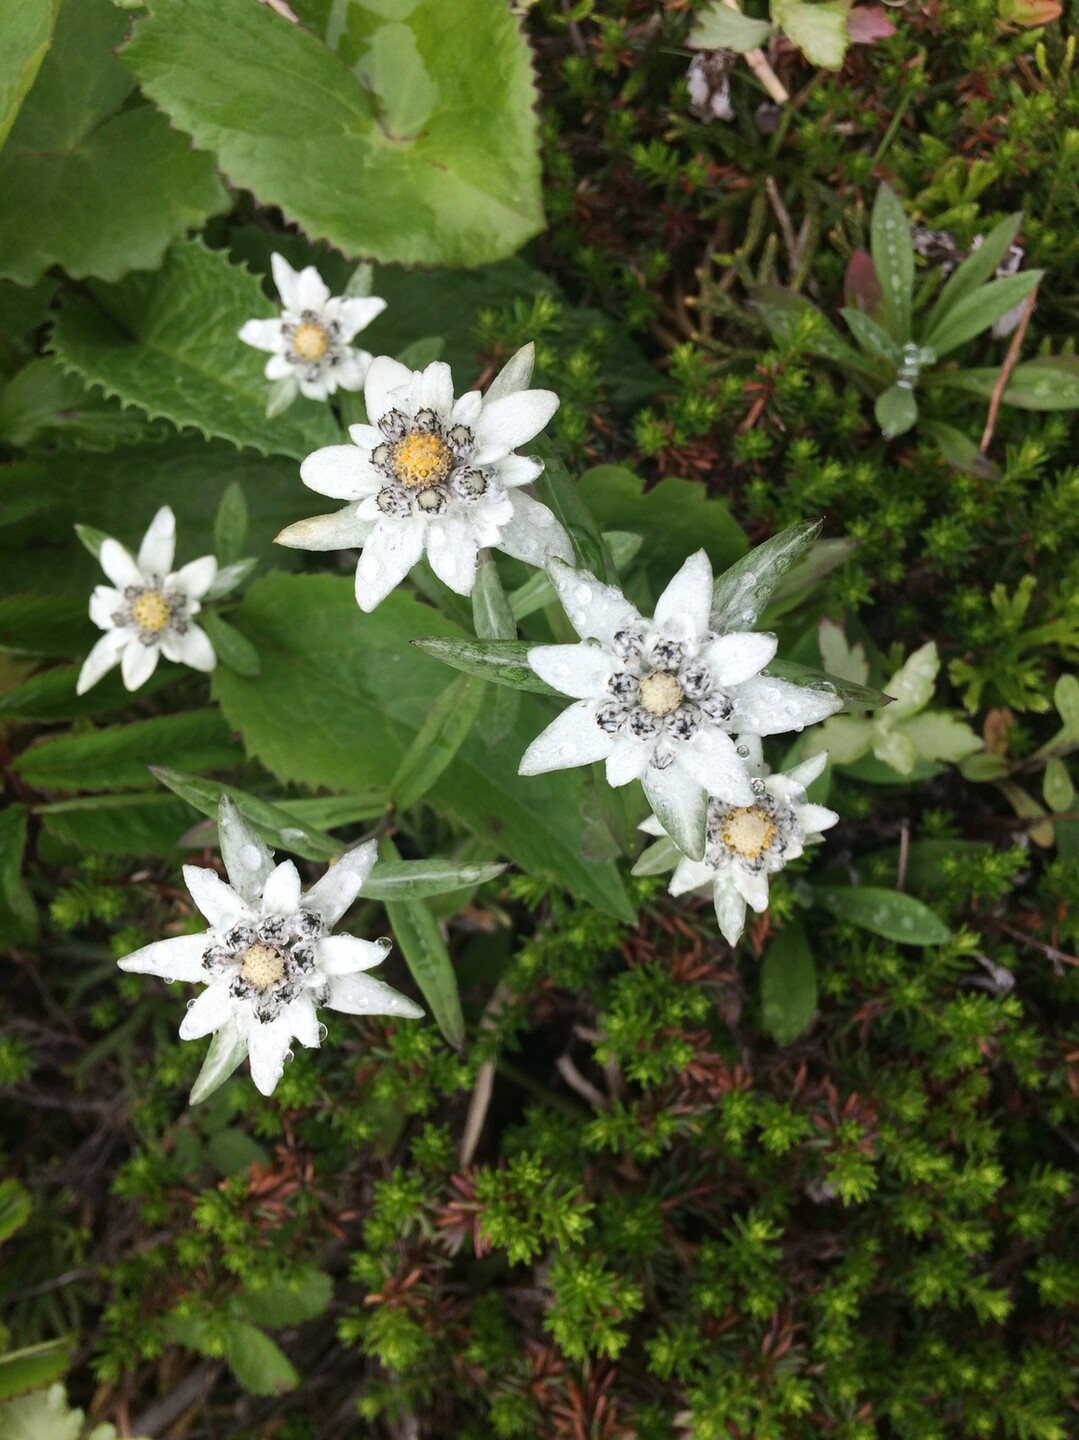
x: 119, y: 564
x: 512, y: 420
x: 595, y: 611
x: 158, y: 544
x: 281, y: 893
x: 193, y: 648
x: 730, y: 908
x: 310, y: 291
x: 809, y: 770
x: 351, y: 370
x: 177, y: 959
x: 267, y: 1046
x: 318, y: 389
x: 101, y: 659
x: 578, y: 670
x: 752, y: 886
x: 690, y: 875
x: 104, y: 602
x: 515, y: 374
x: 345, y: 955
x: 768, y: 706
x: 814, y: 819
x: 682, y: 610
x: 452, y: 550
x: 217, y: 901
x: 341, y: 471
x: 343, y: 530
x: 390, y: 553
x: 208, y: 1012
x: 735, y: 658
x: 573, y: 738
x: 196, y: 577
x: 466, y: 409
x: 385, y: 377
x: 279, y: 367
x: 358, y: 994
x: 284, y: 278
x: 355, y: 312
x: 432, y: 389
x: 627, y: 760
x: 138, y: 663
x: 331, y: 896
x: 711, y: 758
x: 514, y: 470
x: 262, y: 334
x: 533, y: 534
x: 303, y: 1022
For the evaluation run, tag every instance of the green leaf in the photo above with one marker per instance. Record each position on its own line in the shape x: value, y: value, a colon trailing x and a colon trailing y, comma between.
x: 226, y: 1050
x: 42, y: 408
x: 981, y: 767
x: 819, y: 31
x: 785, y: 312
x: 232, y: 648
x: 138, y: 824
x: 742, y: 592
x: 937, y: 736
x: 51, y: 694
x: 674, y: 518
x: 959, y: 450
x: 491, y: 613
x: 805, y: 575
x: 872, y: 337
x: 1057, y: 787
x: 30, y: 1369
x: 503, y: 662
x: 422, y: 879
x: 788, y: 983
x: 1049, y: 383
x: 657, y: 859
x: 719, y: 28
x: 230, y: 525
x: 885, y: 912
x: 18, y: 914
x: 277, y: 826
x: 912, y: 685
x: 977, y: 311
x: 437, y: 742
x: 16, y: 1207
x: 79, y: 148
x: 1066, y: 703
x: 258, y: 1362
x: 167, y: 342
x: 417, y: 933
x: 977, y: 268
x: 37, y: 624
x: 359, y: 692
x: 839, y: 656
x: 896, y: 410
x: 292, y: 1299
x: 232, y: 1150
x: 854, y: 697
x: 25, y: 33
x: 893, y: 260
x: 561, y: 494
x: 118, y: 758
x: 439, y: 146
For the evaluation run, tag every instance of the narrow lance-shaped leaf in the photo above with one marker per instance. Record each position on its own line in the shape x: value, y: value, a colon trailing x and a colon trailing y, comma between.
x: 893, y: 259
x: 742, y: 592
x: 855, y: 697
x: 417, y: 933
x: 503, y: 662
x: 889, y: 913
x: 277, y: 827
x: 492, y: 615
x: 437, y: 741
x: 788, y: 983
x: 1048, y: 383
x: 227, y: 1048
x: 230, y: 525
x: 784, y: 311
x: 557, y: 490
x: 872, y: 337
x: 977, y: 311
x: 422, y: 879
x: 977, y: 268
x: 232, y: 648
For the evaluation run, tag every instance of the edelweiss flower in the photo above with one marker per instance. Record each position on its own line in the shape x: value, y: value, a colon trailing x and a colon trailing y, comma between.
x: 658, y: 699
x: 434, y: 473
x: 747, y: 843
x: 269, y: 959
x: 309, y: 341
x: 149, y: 612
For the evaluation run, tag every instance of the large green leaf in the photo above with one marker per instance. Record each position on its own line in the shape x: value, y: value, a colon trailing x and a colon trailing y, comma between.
x: 91, y: 181
x: 138, y: 823
x: 118, y: 758
x: 42, y: 408
x: 120, y: 492
x: 416, y: 141
x: 788, y: 983
x: 25, y: 32
x: 885, y: 912
x: 167, y: 342
x: 350, y: 694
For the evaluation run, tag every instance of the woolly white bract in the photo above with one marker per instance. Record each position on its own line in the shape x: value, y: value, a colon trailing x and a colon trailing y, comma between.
x: 269, y: 959
x: 147, y: 610
x: 434, y: 473
x: 746, y: 844
x: 309, y: 341
x: 658, y: 700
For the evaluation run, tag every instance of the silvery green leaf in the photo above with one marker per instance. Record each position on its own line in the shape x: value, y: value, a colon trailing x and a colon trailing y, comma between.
x: 741, y: 593
x: 92, y: 539
x: 503, y: 662
x: 232, y: 648
x: 977, y: 311
x: 515, y: 375
x: 885, y: 912
x: 360, y: 281
x: 664, y: 855
x: 871, y: 336
x: 976, y: 269
x: 854, y: 697
x: 421, y: 879
x: 788, y: 983
x: 720, y: 28
x: 819, y: 30
x: 230, y: 577
x: 248, y: 859
x: 227, y: 1049
x: 437, y: 741
x: 896, y: 411
x: 491, y: 612
x: 1057, y: 787
x: 893, y: 260
x: 277, y: 827
x: 821, y: 559
x: 230, y: 525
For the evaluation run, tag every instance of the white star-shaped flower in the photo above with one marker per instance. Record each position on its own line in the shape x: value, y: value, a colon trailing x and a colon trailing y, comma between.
x: 659, y: 699
x: 309, y: 341
x: 147, y: 610
x: 269, y: 960
x: 435, y: 473
x: 747, y: 843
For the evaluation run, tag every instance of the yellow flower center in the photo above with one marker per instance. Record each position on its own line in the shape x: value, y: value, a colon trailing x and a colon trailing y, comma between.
x: 749, y: 832
x: 660, y: 693
x: 262, y: 966
x: 310, y: 340
x: 151, y: 611
x: 421, y: 459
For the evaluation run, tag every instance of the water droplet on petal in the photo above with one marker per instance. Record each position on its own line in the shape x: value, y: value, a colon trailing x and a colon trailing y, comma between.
x: 322, y: 1033
x: 583, y: 594
x: 743, y: 751
x: 191, y: 1002
x: 250, y: 857
x: 757, y: 786
x: 288, y: 1057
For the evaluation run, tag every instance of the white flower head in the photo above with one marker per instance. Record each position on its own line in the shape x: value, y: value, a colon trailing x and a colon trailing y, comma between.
x: 435, y: 473
x: 309, y: 342
x: 658, y: 700
x: 146, y: 611
x: 746, y: 844
x: 269, y: 959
